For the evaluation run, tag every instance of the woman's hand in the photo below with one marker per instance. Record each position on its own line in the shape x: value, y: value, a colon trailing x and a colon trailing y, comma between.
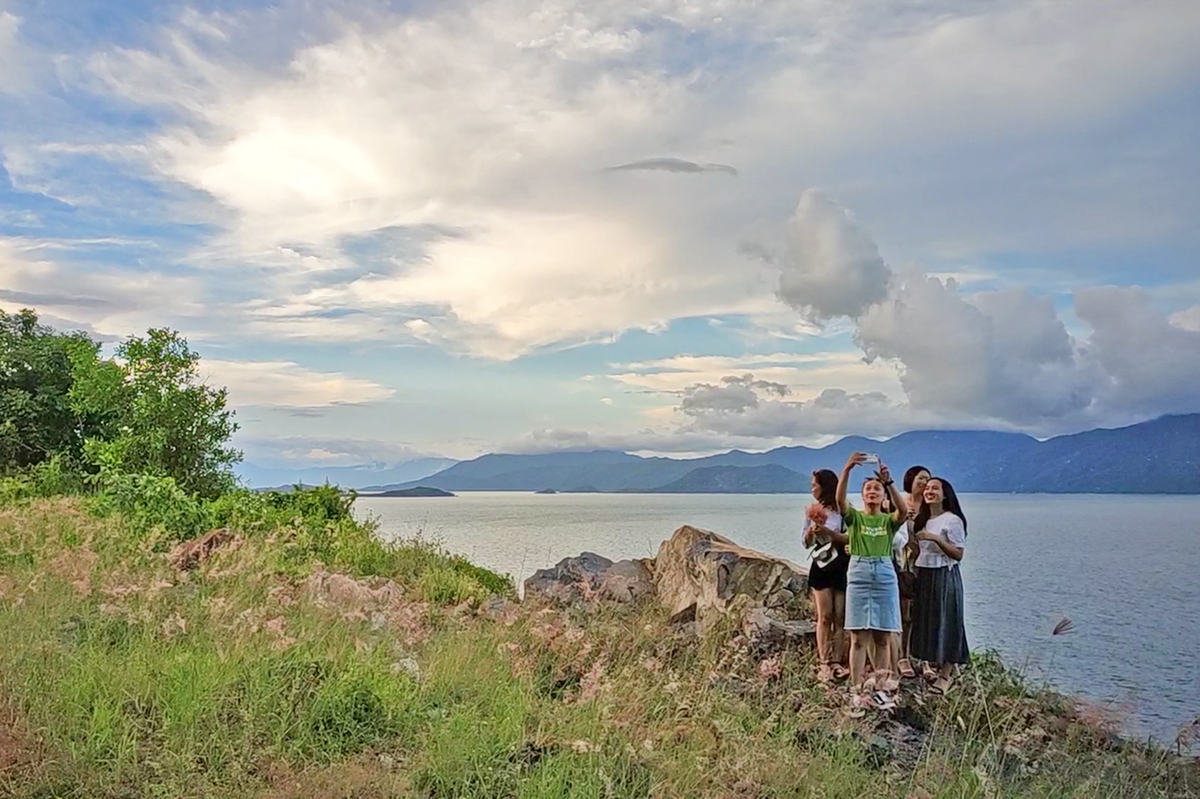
x: 855, y: 459
x: 884, y: 474
x: 925, y: 535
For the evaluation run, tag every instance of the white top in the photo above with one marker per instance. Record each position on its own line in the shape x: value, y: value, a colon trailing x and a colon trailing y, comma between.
x: 949, y: 527
x: 900, y: 540
x: 833, y: 522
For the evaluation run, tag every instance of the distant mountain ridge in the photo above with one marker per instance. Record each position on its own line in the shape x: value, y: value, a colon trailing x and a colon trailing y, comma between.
x: 367, y: 476
x: 1156, y: 457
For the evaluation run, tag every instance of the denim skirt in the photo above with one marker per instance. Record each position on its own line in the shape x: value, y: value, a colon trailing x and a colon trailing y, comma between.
x: 872, y: 595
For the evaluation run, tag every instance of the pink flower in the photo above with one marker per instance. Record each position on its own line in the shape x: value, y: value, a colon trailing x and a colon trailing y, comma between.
x: 770, y: 668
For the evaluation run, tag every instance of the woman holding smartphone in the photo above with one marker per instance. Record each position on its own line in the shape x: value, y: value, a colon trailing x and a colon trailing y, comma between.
x: 827, y: 574
x: 872, y: 592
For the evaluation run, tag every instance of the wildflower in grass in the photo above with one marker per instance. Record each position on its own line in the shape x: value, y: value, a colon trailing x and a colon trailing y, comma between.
x: 590, y: 685
x: 174, y: 625
x: 770, y: 668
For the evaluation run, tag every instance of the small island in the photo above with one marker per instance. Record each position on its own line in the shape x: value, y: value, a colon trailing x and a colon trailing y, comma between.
x: 547, y: 491
x: 419, y: 491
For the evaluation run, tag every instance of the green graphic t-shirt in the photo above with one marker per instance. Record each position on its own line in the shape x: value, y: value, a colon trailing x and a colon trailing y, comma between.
x: 870, y: 534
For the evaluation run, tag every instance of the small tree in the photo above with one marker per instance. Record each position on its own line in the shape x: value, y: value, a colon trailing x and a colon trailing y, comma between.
x: 37, y: 420
x: 158, y: 418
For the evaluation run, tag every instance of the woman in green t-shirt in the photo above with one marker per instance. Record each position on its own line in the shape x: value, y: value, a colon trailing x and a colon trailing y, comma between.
x: 872, y: 594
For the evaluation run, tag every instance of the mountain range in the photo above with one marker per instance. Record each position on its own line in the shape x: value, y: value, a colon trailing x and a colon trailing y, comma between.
x: 372, y: 476
x: 1156, y: 457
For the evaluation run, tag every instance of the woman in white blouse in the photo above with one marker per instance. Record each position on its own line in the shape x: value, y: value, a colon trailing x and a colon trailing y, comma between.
x: 939, y: 634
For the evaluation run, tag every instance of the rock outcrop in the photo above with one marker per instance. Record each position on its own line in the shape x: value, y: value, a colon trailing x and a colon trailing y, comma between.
x: 698, y: 572
x: 190, y: 554
x: 590, y: 576
x: 699, y: 576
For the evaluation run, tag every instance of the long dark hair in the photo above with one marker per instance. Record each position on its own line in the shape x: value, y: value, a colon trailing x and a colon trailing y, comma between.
x: 910, y: 477
x: 827, y: 480
x: 949, y: 504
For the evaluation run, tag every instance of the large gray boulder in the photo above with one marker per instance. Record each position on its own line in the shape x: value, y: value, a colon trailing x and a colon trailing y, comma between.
x: 590, y: 577
x: 698, y: 573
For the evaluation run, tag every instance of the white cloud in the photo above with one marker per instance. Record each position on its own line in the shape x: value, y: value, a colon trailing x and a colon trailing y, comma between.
x: 830, y: 266
x: 1188, y: 319
x: 999, y: 355
x: 1151, y: 366
x: 111, y: 303
x: 392, y: 121
x: 285, y: 384
x: 325, y: 450
x: 14, y: 73
x: 805, y: 376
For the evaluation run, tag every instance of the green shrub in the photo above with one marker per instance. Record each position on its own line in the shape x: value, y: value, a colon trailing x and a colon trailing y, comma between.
x: 49, y: 478
x: 148, y: 503
x: 449, y: 587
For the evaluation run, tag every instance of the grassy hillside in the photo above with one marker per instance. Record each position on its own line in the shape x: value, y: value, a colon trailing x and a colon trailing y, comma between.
x: 307, y: 659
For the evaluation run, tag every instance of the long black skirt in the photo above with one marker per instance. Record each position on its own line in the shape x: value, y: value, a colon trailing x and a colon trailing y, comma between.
x: 939, y: 634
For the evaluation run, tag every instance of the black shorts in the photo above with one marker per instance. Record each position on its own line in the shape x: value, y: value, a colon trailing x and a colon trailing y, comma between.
x: 832, y: 577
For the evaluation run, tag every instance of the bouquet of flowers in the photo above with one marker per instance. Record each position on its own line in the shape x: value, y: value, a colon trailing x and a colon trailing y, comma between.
x: 824, y: 553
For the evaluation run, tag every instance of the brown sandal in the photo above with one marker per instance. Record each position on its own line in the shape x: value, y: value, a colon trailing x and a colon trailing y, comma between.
x: 942, y: 686
x: 929, y: 673
x: 906, y: 669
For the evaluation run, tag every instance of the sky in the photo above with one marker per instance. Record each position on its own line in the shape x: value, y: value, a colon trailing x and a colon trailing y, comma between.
x: 396, y: 229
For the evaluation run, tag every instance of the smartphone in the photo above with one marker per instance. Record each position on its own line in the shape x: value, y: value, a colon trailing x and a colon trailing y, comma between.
x: 872, y: 457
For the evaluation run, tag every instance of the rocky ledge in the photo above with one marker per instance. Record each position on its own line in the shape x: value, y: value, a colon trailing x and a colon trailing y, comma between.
x: 699, y: 576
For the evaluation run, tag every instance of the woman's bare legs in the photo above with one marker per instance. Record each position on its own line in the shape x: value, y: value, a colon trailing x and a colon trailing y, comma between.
x: 840, y: 648
x: 823, y: 600
x: 860, y: 642
x: 886, y: 665
x: 905, y: 656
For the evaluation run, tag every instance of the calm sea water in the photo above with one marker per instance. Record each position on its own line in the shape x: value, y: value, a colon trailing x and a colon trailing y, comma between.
x: 1125, y: 570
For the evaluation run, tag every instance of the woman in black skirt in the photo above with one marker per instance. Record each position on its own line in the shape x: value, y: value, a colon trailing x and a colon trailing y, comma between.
x: 939, y: 634
x: 827, y: 574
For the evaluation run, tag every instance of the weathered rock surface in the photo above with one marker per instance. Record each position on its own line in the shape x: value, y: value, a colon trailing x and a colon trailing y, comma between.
x: 772, y: 633
x: 628, y: 581
x: 570, y: 580
x: 700, y: 572
x: 591, y: 576
x: 190, y: 554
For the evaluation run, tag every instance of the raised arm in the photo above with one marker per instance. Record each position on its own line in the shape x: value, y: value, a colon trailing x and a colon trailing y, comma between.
x: 844, y: 480
x: 900, y: 507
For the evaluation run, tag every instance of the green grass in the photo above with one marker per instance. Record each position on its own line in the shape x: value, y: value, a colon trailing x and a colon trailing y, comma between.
x: 120, y: 678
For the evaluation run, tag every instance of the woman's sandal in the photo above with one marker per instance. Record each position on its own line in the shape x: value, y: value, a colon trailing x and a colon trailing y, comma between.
x: 929, y: 673
x: 824, y: 673
x: 888, y: 682
x: 906, y: 669
x: 942, y: 686
x: 840, y: 672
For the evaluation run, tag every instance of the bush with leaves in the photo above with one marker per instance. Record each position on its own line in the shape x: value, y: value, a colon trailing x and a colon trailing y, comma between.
x: 151, y: 505
x: 167, y: 422
x: 37, y: 420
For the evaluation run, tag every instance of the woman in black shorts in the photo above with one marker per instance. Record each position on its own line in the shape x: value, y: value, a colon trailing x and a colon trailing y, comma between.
x: 827, y: 573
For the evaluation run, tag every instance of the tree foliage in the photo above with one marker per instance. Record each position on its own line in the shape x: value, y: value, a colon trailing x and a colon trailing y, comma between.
x: 144, y: 412
x: 170, y: 423
x: 36, y: 377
